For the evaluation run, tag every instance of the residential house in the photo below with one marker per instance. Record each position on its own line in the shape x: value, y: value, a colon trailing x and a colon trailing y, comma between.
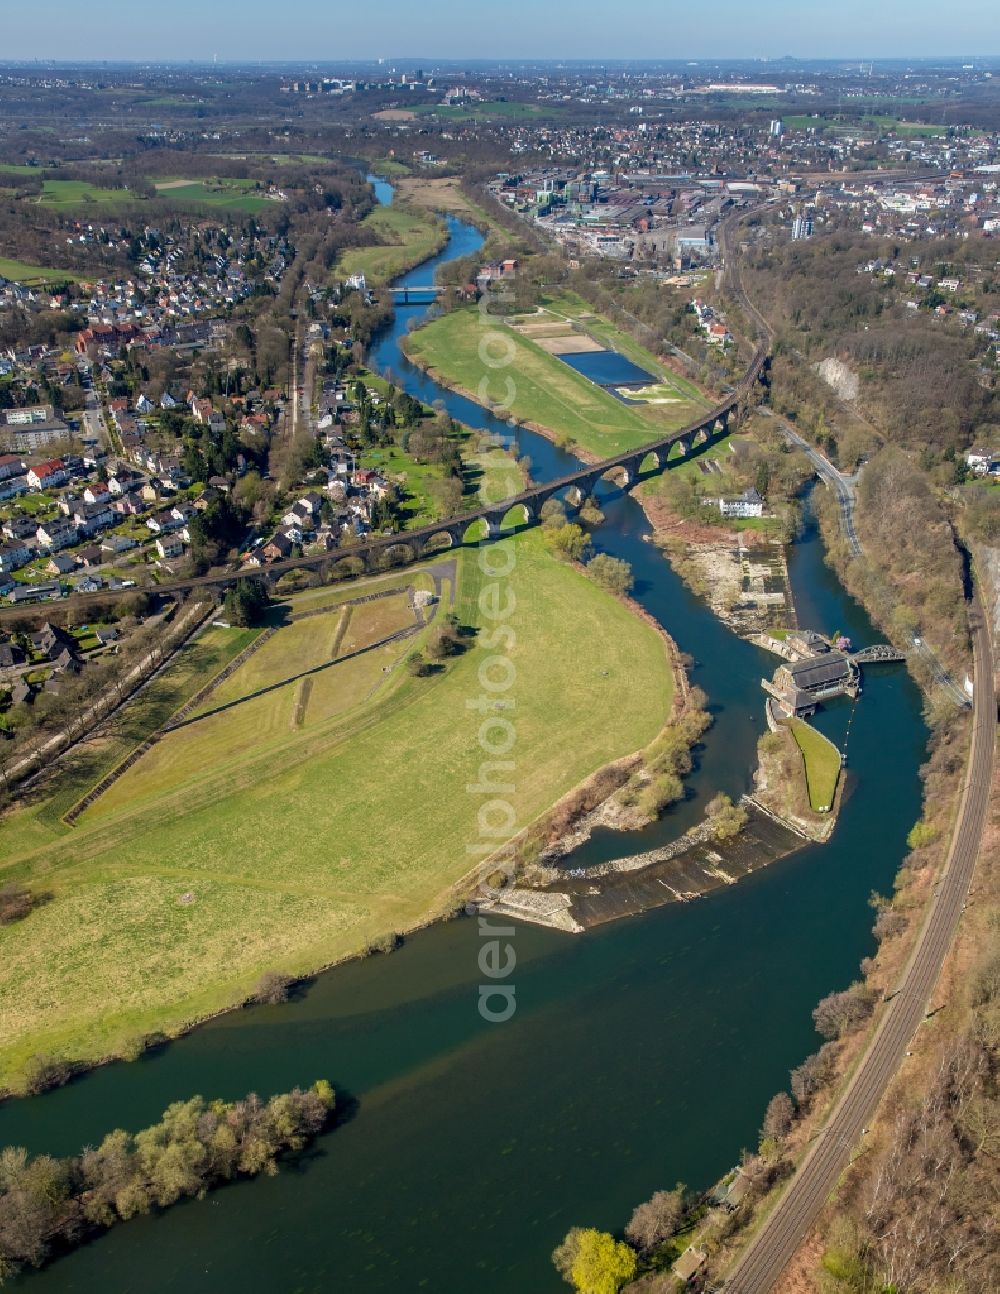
x: 10, y: 465
x: 312, y: 501
x: 51, y: 641
x: 981, y: 461
x: 19, y: 527
x: 90, y: 556
x: 10, y: 655
x: 170, y: 546
x: 117, y: 544
x: 47, y: 475
x: 13, y: 557
x: 22, y: 693
x: 749, y: 504
x: 299, y: 517
x: 123, y: 480
x: 54, y: 535
x: 60, y: 564
x: 277, y: 548
x: 67, y: 662
x: 129, y: 505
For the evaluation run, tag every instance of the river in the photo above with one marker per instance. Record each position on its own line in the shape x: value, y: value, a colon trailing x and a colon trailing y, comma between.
x: 640, y: 1054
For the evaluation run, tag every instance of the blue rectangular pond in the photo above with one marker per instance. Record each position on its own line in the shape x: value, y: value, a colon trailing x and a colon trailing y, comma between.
x: 608, y: 368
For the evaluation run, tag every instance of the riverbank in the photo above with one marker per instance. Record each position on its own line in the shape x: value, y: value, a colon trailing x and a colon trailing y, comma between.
x: 407, y: 236
x: 450, y: 384
x: 741, y: 573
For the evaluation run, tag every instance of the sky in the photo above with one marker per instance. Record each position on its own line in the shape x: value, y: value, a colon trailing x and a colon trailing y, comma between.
x: 331, y: 30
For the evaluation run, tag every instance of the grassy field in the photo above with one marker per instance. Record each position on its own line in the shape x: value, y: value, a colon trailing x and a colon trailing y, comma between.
x: 39, y: 823
x: 262, y: 704
x: 862, y: 125
x: 822, y: 761
x: 196, y: 195
x: 406, y: 237
x: 33, y: 275
x: 444, y: 193
x: 416, y: 482
x: 548, y: 392
x: 514, y: 110
x: 224, y: 195
x: 12, y: 168
x: 389, y: 168
x: 211, y: 861
x: 67, y: 194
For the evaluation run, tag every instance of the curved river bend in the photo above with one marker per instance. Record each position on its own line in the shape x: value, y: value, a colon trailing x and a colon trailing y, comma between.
x: 640, y: 1054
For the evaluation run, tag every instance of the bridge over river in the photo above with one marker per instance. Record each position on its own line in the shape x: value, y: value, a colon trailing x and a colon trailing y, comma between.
x: 416, y: 295
x: 627, y: 468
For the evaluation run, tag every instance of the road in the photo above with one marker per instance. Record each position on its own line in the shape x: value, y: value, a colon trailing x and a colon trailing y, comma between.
x: 774, y: 1245
x: 92, y: 415
x: 842, y: 484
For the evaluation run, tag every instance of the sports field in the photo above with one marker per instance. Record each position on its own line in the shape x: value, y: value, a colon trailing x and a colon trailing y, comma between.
x: 297, y: 824
x: 546, y: 391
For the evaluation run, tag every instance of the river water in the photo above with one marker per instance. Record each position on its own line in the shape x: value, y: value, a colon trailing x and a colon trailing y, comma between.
x: 640, y: 1054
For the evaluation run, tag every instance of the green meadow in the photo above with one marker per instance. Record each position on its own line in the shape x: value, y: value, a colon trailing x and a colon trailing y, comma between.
x: 316, y: 802
x: 405, y: 238
x: 546, y: 391
x: 224, y: 194
x: 822, y: 761
x: 33, y: 275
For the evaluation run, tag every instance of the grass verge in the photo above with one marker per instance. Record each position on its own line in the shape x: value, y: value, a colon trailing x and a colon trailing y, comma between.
x: 822, y: 761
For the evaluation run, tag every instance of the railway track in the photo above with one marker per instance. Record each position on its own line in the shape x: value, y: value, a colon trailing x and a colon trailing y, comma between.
x: 767, y: 1255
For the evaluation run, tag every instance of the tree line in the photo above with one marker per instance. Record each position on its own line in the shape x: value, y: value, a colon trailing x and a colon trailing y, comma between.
x: 50, y: 1205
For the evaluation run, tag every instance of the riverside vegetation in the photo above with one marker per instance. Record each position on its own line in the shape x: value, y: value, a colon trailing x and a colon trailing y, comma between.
x: 49, y: 1205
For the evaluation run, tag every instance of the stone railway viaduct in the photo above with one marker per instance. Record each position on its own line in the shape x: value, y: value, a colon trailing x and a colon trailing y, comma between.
x: 626, y: 469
